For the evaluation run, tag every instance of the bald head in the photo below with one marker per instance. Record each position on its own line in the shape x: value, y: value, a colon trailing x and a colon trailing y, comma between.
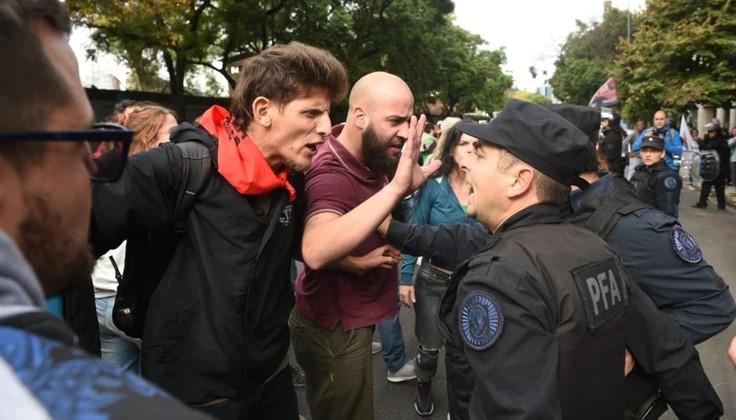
x: 660, y: 119
x: 378, y: 88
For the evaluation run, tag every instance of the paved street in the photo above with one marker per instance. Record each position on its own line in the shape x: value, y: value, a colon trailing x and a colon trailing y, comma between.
x: 715, y: 232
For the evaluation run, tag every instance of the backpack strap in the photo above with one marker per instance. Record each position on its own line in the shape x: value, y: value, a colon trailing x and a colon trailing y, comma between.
x: 612, y: 208
x: 196, y: 171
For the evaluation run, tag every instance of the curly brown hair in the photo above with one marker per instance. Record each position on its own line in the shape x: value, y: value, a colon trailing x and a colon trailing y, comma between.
x: 284, y: 72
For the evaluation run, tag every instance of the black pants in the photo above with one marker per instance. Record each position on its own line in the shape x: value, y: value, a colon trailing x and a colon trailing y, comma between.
x: 274, y: 400
x: 720, y: 185
x: 460, y: 382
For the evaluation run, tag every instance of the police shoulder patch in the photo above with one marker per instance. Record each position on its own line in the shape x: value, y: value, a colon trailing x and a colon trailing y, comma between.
x: 481, y: 320
x: 684, y: 245
x: 603, y: 291
x: 670, y: 182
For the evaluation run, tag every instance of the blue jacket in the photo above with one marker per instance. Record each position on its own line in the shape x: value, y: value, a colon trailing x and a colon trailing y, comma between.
x: 437, y: 205
x: 672, y: 145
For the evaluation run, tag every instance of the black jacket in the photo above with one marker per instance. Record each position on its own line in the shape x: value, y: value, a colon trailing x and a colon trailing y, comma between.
x: 561, y: 297
x: 611, y: 146
x: 217, y: 323
x: 720, y: 145
x: 658, y: 186
x: 692, y: 295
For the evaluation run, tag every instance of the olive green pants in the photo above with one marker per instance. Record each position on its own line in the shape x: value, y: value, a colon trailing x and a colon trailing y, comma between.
x: 337, y: 367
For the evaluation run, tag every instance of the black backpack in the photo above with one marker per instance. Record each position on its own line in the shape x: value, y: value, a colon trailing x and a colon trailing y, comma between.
x: 145, y: 267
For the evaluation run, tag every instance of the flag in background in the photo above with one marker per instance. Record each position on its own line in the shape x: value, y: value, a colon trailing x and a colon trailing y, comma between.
x: 606, y: 95
x: 690, y: 144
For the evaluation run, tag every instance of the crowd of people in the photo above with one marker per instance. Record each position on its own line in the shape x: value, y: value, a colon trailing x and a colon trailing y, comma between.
x: 657, y: 177
x: 505, y: 238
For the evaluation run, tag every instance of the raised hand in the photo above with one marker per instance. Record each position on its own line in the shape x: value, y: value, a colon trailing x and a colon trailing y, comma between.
x: 409, y: 174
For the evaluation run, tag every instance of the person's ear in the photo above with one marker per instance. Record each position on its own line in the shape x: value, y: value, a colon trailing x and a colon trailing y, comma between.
x: 360, y: 117
x: 262, y: 110
x: 521, y: 183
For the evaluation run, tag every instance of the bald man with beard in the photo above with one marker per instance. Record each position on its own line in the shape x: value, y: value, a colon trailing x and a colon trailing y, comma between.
x: 663, y: 129
x: 350, y: 278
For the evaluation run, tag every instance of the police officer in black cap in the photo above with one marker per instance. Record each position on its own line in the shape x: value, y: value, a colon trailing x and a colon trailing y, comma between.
x: 654, y: 181
x: 688, y: 389
x: 541, y: 310
x: 660, y: 255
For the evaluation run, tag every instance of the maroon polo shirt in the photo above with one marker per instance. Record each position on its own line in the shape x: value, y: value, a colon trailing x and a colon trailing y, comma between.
x: 337, y: 183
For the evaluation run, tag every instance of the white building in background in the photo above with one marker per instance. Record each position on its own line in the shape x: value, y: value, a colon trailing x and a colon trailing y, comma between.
x: 545, y: 91
x: 101, y: 79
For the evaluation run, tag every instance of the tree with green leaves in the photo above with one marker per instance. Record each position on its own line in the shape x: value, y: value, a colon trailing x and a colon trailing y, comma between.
x: 587, y: 58
x: 140, y: 32
x: 414, y: 39
x: 684, y: 53
x: 463, y: 76
x: 531, y: 97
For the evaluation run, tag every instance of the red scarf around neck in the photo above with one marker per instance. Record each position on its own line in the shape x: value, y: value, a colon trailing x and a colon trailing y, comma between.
x: 239, y: 161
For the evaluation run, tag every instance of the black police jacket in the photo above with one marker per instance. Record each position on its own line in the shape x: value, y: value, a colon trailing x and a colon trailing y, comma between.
x: 658, y: 186
x: 661, y: 257
x: 216, y: 326
x: 662, y: 350
x: 541, y: 315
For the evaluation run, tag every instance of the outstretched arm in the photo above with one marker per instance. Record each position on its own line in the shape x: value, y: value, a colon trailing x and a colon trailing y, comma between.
x: 329, y: 237
x: 446, y: 245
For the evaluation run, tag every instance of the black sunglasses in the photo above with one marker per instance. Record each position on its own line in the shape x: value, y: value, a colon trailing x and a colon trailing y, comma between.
x: 107, y: 146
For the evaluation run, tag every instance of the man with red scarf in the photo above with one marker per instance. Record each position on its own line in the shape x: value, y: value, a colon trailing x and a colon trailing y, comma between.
x: 216, y: 333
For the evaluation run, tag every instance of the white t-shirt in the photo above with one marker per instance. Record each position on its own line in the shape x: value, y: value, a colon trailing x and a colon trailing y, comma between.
x: 103, y: 276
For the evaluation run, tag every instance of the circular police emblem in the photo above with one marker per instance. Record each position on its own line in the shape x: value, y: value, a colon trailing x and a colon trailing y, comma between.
x: 481, y: 320
x: 670, y: 182
x: 685, y: 246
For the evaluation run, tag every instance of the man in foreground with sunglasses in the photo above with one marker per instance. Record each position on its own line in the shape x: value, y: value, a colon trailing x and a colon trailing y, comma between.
x: 46, y: 162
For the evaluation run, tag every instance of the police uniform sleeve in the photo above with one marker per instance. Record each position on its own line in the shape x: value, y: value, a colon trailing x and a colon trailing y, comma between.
x: 144, y: 197
x: 677, y: 279
x: 667, y: 188
x: 661, y: 349
x: 506, y: 322
x: 420, y: 215
x: 447, y: 245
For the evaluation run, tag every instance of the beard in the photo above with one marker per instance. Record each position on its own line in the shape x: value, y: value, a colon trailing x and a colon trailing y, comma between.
x: 376, y: 154
x: 59, y: 262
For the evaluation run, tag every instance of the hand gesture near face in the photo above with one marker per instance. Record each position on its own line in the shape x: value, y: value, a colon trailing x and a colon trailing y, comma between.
x: 409, y: 174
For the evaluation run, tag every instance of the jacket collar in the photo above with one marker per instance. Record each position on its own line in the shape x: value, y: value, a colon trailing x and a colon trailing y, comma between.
x: 20, y: 290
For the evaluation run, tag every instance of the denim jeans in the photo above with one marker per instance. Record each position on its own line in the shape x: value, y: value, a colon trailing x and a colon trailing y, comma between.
x: 392, y: 341
x: 633, y: 163
x: 429, y: 287
x: 117, y: 349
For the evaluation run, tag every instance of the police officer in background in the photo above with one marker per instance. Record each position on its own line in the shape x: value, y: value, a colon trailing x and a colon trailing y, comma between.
x: 663, y: 344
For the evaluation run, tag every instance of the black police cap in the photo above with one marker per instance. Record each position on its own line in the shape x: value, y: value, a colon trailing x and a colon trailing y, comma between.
x: 585, y: 118
x: 538, y: 136
x: 654, y: 142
